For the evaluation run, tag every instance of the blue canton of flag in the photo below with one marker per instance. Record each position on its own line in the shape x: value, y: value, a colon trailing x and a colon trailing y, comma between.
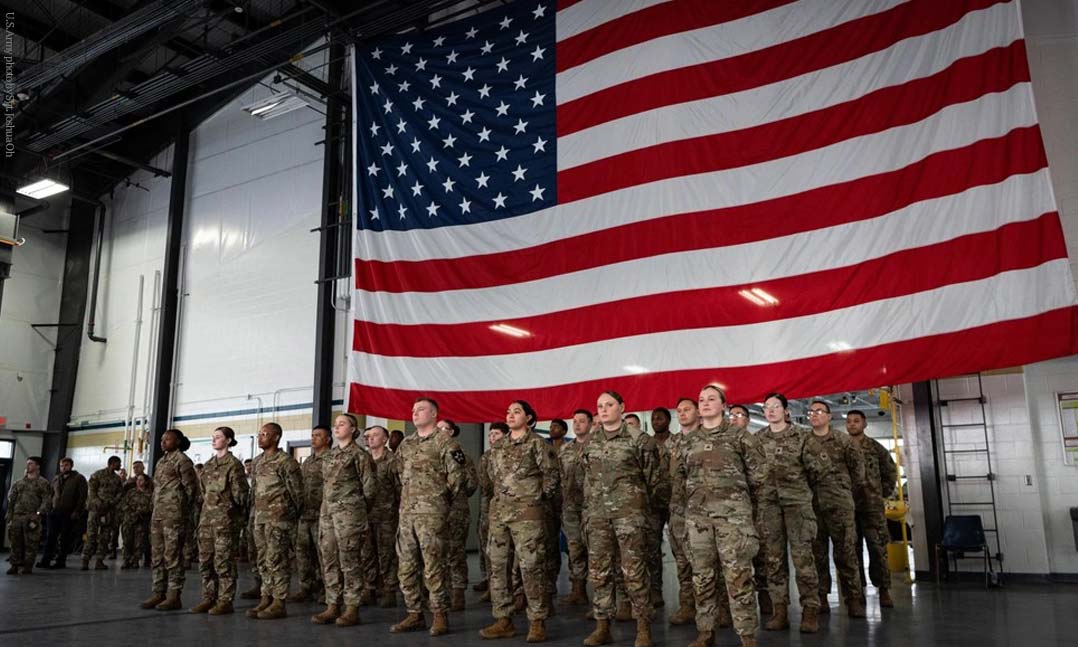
x: 457, y: 125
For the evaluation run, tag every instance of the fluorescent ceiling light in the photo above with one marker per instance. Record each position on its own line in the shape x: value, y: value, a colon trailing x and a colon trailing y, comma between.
x: 752, y: 297
x: 42, y: 189
x: 765, y: 296
x: 633, y: 368
x: 271, y: 106
x: 275, y: 105
x: 512, y: 331
x: 759, y: 297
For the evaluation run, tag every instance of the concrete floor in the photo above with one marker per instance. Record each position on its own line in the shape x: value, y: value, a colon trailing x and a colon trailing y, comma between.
x: 70, y: 607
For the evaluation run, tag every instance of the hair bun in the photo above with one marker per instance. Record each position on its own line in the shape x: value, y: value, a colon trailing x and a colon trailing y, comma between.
x: 232, y: 443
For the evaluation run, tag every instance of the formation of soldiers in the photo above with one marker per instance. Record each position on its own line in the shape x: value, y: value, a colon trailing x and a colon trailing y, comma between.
x: 358, y: 523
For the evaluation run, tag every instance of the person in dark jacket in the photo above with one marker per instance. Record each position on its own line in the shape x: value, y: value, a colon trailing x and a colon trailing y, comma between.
x: 64, y: 523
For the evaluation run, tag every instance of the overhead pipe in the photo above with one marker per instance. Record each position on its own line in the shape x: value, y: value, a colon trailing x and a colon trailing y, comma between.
x: 129, y: 423
x: 144, y: 422
x: 181, y: 285
x: 100, y: 217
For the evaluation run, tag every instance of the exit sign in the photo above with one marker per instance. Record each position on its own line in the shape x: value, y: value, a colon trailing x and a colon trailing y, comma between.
x: 3, y: 422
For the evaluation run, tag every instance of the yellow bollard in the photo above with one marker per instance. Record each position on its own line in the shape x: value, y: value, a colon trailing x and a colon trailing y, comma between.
x: 898, y: 558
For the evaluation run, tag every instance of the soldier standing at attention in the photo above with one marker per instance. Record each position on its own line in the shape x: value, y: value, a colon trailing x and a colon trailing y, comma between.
x: 190, y: 549
x: 557, y: 432
x: 102, y: 502
x: 621, y: 468
x: 739, y: 417
x: 28, y: 502
x: 660, y: 504
x: 173, y: 495
x: 880, y: 477
x: 224, y: 491
x: 278, y: 503
x: 348, y: 489
x: 688, y: 417
x: 784, y: 513
x: 571, y: 463
x: 459, y: 516
x: 247, y: 540
x: 382, y: 570
x: 136, y: 508
x: 498, y: 430
x: 720, y: 469
x: 138, y: 468
x: 432, y: 473
x: 308, y: 567
x: 833, y: 504
x: 525, y: 475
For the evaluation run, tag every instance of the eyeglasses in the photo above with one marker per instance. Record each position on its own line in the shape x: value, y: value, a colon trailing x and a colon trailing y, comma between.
x: 818, y: 412
x: 738, y: 415
x: 773, y: 407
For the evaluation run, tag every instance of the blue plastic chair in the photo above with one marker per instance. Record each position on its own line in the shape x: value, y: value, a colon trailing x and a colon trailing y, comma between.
x: 963, y: 534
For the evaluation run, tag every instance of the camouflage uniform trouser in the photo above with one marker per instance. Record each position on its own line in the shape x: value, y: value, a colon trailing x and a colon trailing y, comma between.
x: 98, y: 532
x: 421, y: 561
x: 552, y: 545
x: 872, y: 529
x: 308, y: 565
x: 724, y: 547
x: 136, y: 534
x: 836, y: 526
x: 795, y: 525
x: 24, y: 531
x: 658, y: 519
x: 380, y: 555
x: 217, y: 561
x: 624, y: 539
x: 484, y: 535
x: 574, y: 536
x: 526, y: 540
x: 678, y: 534
x: 342, y: 534
x: 252, y: 549
x: 166, y: 541
x: 274, y: 542
x: 456, y: 555
x: 191, y: 548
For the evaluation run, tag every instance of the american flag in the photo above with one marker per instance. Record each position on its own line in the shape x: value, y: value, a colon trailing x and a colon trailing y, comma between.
x: 554, y: 199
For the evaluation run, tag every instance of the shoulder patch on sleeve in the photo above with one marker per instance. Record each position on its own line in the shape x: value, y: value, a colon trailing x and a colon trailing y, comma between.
x: 458, y: 455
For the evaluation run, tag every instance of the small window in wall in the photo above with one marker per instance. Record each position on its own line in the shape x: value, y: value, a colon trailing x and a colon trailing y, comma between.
x: 7, y: 449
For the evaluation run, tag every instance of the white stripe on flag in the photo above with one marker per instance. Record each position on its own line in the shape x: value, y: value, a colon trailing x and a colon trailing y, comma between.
x: 590, y: 14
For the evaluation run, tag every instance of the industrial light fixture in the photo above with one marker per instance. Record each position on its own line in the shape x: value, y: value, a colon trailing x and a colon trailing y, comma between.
x: 42, y: 189
x: 275, y: 105
x: 759, y: 297
x: 512, y: 331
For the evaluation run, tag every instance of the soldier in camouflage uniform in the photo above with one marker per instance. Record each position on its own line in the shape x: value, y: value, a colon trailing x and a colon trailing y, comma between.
x: 173, y: 495
x: 880, y: 478
x: 247, y: 539
x: 486, y: 492
x: 678, y: 531
x: 432, y: 473
x: 558, y: 430
x: 660, y: 504
x: 785, y: 516
x: 459, y: 516
x: 102, y: 502
x: 621, y: 471
x: 348, y: 490
x: 720, y: 469
x: 190, y: 549
x: 308, y: 565
x: 524, y: 471
x: 29, y: 500
x: 138, y: 468
x: 136, y: 509
x: 571, y: 464
x: 833, y: 504
x: 278, y: 503
x: 381, y: 569
x: 739, y: 417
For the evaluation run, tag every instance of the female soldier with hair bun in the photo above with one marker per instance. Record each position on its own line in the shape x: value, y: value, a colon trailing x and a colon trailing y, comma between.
x: 175, y: 492
x: 224, y: 493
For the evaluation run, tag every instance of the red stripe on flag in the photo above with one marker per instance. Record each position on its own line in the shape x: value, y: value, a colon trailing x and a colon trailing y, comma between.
x: 1014, y: 246
x: 565, y: 4
x: 965, y: 80
x: 786, y: 60
x: 654, y: 22
x: 985, y: 162
x: 998, y: 345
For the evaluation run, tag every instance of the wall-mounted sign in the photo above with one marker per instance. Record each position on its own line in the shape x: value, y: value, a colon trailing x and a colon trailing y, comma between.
x: 1067, y: 404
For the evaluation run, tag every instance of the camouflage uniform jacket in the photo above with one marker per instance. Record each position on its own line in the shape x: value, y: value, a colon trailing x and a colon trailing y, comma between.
x: 880, y: 472
x: 29, y: 496
x: 720, y: 470
x: 136, y: 505
x: 791, y: 468
x: 469, y: 486
x: 621, y: 473
x: 660, y: 497
x: 387, y: 493
x: 104, y: 491
x: 277, y: 487
x: 675, y: 447
x: 224, y: 491
x: 348, y: 481
x: 486, y: 485
x: 175, y: 487
x: 524, y: 472
x: 312, y: 468
x: 432, y: 472
x: 845, y: 468
x: 571, y: 462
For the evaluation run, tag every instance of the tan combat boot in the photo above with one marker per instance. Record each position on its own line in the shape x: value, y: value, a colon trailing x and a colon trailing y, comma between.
x: 222, y: 609
x: 809, y: 624
x: 765, y: 603
x: 152, y: 601
x: 411, y: 622
x: 704, y: 639
x: 855, y: 608
x: 643, y: 634
x: 301, y: 595
x: 779, y: 620
x: 601, y: 635
x: 274, y: 611
x: 366, y: 597
x: 388, y: 600
x: 686, y: 614
x: 202, y: 607
x: 725, y: 619
x: 624, y: 612
x: 578, y: 594
x: 330, y: 614
x: 171, y: 603
x: 262, y: 605
x: 502, y: 628
x: 350, y: 617
x: 253, y: 593
x: 537, y: 631
x: 440, y: 625
x: 456, y: 600
x: 885, y: 599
